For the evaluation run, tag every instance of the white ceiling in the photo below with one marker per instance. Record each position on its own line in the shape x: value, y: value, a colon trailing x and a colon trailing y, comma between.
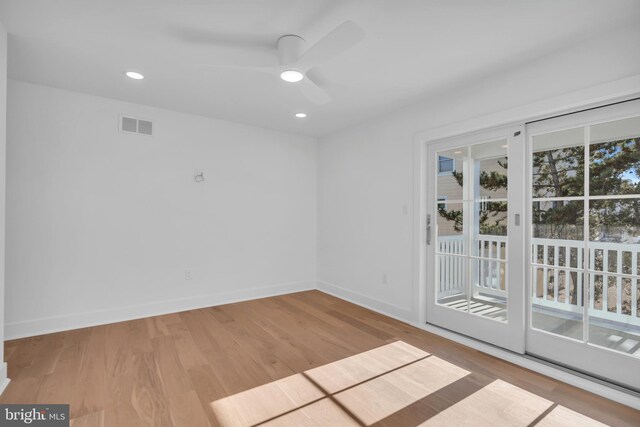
x: 413, y: 49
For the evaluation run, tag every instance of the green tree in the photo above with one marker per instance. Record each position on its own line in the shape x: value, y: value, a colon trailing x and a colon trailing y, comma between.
x: 492, y: 214
x: 560, y: 173
x: 614, y: 168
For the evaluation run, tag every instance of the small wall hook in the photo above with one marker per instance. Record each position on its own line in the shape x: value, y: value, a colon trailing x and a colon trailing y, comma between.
x: 199, y: 177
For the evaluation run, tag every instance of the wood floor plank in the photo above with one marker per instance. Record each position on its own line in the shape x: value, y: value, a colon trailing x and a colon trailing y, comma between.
x: 208, y: 389
x: 63, y: 381
x: 94, y: 419
x: 319, y: 333
x: 23, y: 390
x: 91, y: 370
x: 235, y: 369
x: 147, y: 396
x: 304, y: 335
x: 37, y: 357
x: 267, y: 353
x: 188, y: 351
x: 300, y: 359
x: 183, y: 403
x: 119, y: 410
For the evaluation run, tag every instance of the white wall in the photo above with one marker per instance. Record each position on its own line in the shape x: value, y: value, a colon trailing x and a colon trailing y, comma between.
x: 366, y: 173
x: 3, y: 128
x: 101, y: 225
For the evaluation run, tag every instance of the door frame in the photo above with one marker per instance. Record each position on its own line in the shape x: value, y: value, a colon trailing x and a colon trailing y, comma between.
x: 511, y: 334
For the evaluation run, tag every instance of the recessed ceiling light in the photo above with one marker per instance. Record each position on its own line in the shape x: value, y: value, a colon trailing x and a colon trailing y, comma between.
x: 457, y: 152
x: 301, y: 115
x: 505, y: 146
x: 134, y: 75
x: 291, y: 76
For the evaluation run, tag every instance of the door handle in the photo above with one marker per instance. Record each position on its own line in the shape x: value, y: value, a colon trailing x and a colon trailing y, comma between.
x: 429, y: 229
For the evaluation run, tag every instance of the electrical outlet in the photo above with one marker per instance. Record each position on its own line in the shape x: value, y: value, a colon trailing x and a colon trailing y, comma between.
x: 187, y: 275
x: 385, y: 279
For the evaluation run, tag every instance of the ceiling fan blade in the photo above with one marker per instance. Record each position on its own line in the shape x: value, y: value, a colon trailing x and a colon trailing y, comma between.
x: 341, y: 39
x: 219, y: 49
x: 253, y: 68
x: 242, y: 58
x: 313, y: 92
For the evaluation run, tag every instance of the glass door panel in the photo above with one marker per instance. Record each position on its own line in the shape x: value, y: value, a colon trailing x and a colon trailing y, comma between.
x: 585, y: 242
x: 471, y: 200
x: 614, y: 235
x: 557, y: 262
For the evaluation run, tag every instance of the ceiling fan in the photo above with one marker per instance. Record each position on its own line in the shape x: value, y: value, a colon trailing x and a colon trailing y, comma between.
x: 294, y: 61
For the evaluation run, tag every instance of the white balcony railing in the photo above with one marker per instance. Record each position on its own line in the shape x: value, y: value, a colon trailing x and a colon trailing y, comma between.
x: 489, y: 268
x: 613, y: 281
x: 557, y: 274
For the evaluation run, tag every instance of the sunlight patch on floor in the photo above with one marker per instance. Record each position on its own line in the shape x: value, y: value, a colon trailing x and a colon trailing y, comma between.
x: 498, y: 403
x: 389, y: 377
x: 379, y: 398
x: 561, y: 416
x: 260, y: 404
x: 503, y: 404
x: 347, y: 372
x: 371, y: 386
x: 322, y: 413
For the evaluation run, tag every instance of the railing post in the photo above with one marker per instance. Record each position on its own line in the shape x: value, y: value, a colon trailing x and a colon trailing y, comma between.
x: 579, y: 276
x: 634, y: 285
x: 619, y: 282
x: 605, y: 280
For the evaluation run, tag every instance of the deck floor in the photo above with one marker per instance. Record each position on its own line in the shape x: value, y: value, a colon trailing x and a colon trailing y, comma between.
x: 601, y: 333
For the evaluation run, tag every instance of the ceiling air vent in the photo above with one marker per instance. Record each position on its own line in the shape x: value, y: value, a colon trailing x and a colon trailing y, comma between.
x: 135, y: 125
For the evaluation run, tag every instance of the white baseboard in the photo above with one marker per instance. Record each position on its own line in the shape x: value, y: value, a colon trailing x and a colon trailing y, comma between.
x: 82, y: 320
x: 4, y: 381
x: 400, y: 313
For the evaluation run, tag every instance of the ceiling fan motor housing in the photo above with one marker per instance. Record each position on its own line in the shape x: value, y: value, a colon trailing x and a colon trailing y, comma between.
x: 290, y: 48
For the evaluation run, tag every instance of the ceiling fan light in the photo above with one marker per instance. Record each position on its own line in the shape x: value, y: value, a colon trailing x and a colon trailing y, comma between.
x: 291, y: 76
x: 301, y: 115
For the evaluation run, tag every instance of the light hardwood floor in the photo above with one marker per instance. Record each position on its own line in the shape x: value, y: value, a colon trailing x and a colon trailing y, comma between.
x: 300, y: 359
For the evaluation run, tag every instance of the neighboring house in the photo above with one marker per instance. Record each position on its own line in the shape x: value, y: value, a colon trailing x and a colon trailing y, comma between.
x: 450, y: 192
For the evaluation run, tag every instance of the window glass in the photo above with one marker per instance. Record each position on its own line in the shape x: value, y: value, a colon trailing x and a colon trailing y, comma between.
x: 445, y: 164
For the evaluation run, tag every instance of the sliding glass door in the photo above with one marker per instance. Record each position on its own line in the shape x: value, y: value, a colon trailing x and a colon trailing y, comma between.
x: 533, y: 242
x: 584, y: 180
